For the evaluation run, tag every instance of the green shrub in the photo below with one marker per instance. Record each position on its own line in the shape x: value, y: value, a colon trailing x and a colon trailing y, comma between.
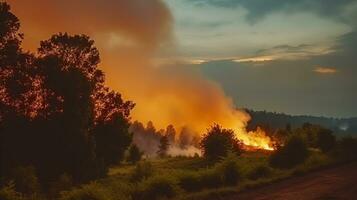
x: 219, y: 142
x: 229, y: 170
x: 8, y: 193
x: 142, y: 171
x: 261, y: 171
x: 92, y: 191
x: 156, y: 187
x: 293, y: 153
x: 211, y: 178
x: 190, y: 181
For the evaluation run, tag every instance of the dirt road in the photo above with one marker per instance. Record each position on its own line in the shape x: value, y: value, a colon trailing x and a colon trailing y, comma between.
x: 330, y: 184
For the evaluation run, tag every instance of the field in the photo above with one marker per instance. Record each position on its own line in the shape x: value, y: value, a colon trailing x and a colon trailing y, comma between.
x: 194, y: 177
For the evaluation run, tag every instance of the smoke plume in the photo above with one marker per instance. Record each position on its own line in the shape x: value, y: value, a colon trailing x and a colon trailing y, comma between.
x: 131, y: 35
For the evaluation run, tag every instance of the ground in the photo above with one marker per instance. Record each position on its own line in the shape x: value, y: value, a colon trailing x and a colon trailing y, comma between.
x: 330, y: 184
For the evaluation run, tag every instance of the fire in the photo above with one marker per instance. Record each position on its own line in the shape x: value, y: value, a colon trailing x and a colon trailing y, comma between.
x: 257, y: 140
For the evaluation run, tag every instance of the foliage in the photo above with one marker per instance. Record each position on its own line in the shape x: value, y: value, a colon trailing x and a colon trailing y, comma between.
x: 218, y: 142
x: 229, y: 170
x: 294, y: 152
x: 134, y: 154
x: 163, y: 146
x: 346, y: 149
x: 142, y: 171
x: 63, y: 183
x: 260, y: 171
x: 56, y: 114
x: 317, y: 137
x: 25, y: 180
x: 8, y: 193
x: 93, y: 191
x: 157, y: 187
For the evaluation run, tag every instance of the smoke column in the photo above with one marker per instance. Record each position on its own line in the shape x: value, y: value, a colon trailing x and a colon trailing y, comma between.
x: 131, y: 35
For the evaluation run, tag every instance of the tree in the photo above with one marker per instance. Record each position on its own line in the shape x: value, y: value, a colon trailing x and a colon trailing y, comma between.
x: 134, y: 154
x: 56, y: 114
x: 294, y: 152
x: 163, y: 146
x: 218, y: 142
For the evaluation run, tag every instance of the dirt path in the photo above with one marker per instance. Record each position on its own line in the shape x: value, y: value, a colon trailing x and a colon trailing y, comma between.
x: 331, y: 184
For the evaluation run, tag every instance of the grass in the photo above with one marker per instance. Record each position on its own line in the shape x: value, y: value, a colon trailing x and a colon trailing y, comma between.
x: 191, y: 178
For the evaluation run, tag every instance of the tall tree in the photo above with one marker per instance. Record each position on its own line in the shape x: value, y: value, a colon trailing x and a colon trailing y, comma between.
x: 163, y: 146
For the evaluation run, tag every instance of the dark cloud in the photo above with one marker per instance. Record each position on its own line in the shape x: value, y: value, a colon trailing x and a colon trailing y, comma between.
x: 258, y: 9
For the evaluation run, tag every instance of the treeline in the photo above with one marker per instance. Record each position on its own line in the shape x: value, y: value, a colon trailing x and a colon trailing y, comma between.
x: 272, y: 121
x: 58, y: 121
x: 149, y: 139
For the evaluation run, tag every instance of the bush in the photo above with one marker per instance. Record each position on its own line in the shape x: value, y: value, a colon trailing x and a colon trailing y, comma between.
x: 191, y: 181
x: 63, y: 183
x: 8, y: 193
x: 142, y: 171
x: 157, y: 187
x: 261, y: 171
x: 134, y: 154
x: 293, y: 153
x: 346, y: 149
x: 218, y: 142
x: 92, y: 191
x: 211, y: 178
x: 25, y: 180
x: 229, y: 170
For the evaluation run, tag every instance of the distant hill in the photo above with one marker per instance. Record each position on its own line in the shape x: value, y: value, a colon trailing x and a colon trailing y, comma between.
x: 273, y: 120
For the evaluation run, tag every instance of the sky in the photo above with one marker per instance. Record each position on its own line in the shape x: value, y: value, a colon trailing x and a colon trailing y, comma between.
x: 292, y: 56
x: 199, y: 58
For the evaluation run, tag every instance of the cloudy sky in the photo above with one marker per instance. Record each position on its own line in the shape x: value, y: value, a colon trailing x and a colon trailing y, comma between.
x: 293, y: 56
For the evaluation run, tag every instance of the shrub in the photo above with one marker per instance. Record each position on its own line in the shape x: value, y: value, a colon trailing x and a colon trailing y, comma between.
x: 229, y: 170
x: 191, y: 181
x: 211, y: 178
x: 293, y: 153
x: 261, y: 171
x: 63, y: 183
x: 134, y: 154
x: 25, y: 180
x: 346, y: 149
x: 156, y: 187
x: 8, y: 193
x: 92, y: 191
x: 325, y: 140
x: 142, y: 171
x: 218, y: 142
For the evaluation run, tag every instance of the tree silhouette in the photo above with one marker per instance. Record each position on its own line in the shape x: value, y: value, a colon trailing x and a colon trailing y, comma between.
x: 218, y: 142
x: 56, y: 114
x: 164, y: 146
x: 134, y: 154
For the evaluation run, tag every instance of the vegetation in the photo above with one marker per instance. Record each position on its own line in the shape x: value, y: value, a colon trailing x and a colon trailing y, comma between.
x: 134, y: 154
x: 163, y: 146
x: 64, y: 134
x: 294, y: 152
x: 218, y: 142
x: 56, y: 114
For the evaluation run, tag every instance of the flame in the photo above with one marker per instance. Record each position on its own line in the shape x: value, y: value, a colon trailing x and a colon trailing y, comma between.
x: 257, y: 140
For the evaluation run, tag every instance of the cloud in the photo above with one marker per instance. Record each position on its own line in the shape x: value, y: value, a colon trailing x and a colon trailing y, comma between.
x: 287, y: 52
x: 325, y: 70
x: 258, y: 9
